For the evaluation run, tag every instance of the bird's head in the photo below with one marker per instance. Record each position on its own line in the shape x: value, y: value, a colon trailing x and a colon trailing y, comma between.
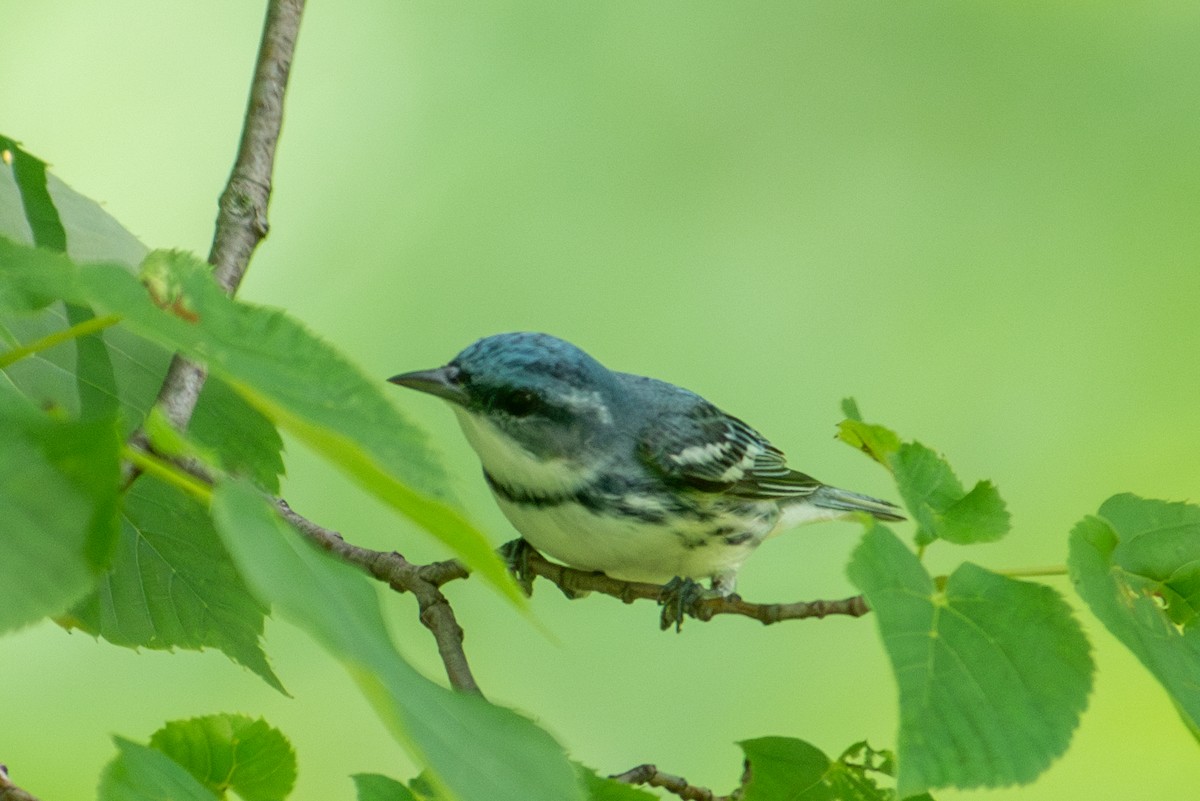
x: 524, y: 399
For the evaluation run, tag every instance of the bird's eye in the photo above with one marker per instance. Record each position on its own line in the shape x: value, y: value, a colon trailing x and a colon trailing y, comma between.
x: 520, y: 403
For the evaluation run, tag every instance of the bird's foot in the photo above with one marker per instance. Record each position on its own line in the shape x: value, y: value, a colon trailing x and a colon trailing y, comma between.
x: 516, y: 555
x: 682, y: 596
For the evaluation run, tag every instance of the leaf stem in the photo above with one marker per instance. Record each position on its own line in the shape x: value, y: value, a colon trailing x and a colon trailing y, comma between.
x: 164, y: 470
x: 57, y: 338
x: 1034, y: 572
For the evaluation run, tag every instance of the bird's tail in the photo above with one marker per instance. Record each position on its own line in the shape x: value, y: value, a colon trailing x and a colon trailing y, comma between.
x: 846, y: 501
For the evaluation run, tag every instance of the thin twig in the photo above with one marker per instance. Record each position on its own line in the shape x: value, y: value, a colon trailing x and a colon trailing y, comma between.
x: 11, y: 792
x: 241, y: 226
x: 425, y: 581
x: 651, y: 775
x: 242, y: 222
x: 574, y: 582
x: 402, y: 576
x: 242, y: 219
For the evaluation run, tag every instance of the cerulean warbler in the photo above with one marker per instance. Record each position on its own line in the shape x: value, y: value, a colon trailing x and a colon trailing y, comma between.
x: 631, y: 476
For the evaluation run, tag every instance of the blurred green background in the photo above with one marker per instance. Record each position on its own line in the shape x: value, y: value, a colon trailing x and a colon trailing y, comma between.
x: 981, y: 220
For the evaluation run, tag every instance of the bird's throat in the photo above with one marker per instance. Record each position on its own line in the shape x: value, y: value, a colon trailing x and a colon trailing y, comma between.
x: 510, y: 464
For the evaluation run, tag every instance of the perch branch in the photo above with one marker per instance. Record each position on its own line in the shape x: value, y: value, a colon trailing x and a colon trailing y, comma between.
x: 574, y: 582
x: 402, y: 576
x: 651, y: 775
x: 425, y: 581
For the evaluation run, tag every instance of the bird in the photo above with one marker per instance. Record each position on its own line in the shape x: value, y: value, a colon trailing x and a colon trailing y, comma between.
x: 623, y: 474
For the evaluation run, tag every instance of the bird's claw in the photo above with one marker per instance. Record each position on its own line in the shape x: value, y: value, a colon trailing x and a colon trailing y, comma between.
x: 516, y: 555
x: 681, y: 596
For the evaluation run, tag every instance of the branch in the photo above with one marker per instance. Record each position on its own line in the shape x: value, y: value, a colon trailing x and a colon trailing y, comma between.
x: 11, y: 792
x: 651, y: 775
x: 576, y: 582
x: 392, y: 568
x: 424, y: 582
x: 242, y: 219
x: 402, y: 576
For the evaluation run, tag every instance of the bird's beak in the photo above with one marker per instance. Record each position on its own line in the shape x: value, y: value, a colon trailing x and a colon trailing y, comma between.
x: 442, y: 382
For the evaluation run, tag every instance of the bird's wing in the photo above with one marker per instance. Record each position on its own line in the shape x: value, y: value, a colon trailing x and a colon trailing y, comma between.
x: 707, y: 449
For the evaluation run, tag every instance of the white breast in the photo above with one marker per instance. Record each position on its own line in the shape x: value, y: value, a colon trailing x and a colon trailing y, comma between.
x: 622, y: 547
x: 506, y: 459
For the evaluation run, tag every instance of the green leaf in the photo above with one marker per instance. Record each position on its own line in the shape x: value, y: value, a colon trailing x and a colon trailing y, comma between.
x: 139, y: 773
x: 39, y: 280
x: 231, y: 752
x: 95, y: 381
x: 785, y: 768
x: 119, y: 368
x: 29, y: 173
x: 58, y: 501
x: 167, y: 442
x: 878, y: 442
x: 601, y: 788
x: 63, y: 376
x: 853, y: 776
x: 993, y: 673
x: 936, y: 499
x: 124, y: 370
x: 477, y: 751
x: 225, y: 434
x: 302, y: 384
x: 422, y: 786
x: 245, y: 440
x: 373, y: 787
x: 172, y: 584
x: 33, y: 278
x: 1137, y: 566
x: 881, y: 761
x: 1160, y: 542
x: 33, y: 203
x: 931, y: 492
